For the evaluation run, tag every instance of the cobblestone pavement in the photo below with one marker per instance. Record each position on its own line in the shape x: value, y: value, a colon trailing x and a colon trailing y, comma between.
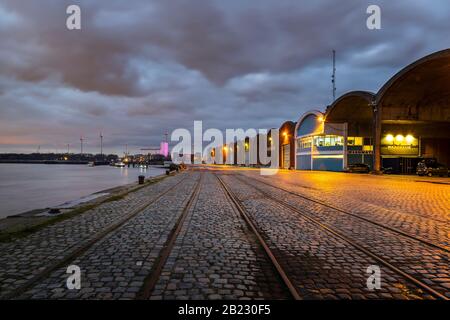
x: 428, y: 264
x: 418, y: 208
x: 116, y: 266
x: 216, y: 256
x: 320, y: 264
x: 24, y: 258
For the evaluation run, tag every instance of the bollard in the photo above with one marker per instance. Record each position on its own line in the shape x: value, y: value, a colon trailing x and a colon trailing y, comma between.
x: 141, y: 179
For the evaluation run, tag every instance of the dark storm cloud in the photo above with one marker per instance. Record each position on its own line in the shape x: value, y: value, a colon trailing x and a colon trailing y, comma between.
x: 138, y: 68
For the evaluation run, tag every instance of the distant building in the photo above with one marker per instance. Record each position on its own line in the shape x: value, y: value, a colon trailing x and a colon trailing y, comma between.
x: 153, y: 151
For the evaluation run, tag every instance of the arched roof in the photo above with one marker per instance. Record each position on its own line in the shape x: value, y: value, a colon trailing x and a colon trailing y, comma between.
x: 304, y: 116
x: 352, y: 106
x: 420, y: 91
x: 290, y: 125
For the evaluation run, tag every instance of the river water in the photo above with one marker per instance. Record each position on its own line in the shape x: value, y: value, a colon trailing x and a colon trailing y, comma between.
x: 25, y: 187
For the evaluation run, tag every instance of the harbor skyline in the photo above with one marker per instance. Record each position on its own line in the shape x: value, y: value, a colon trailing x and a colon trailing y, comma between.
x: 254, y: 68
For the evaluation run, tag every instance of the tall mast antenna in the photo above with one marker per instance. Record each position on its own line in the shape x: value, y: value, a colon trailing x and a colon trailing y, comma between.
x: 81, y: 143
x: 333, y: 76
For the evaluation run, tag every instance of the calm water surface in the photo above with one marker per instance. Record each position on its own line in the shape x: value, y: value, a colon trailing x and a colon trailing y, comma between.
x: 25, y: 187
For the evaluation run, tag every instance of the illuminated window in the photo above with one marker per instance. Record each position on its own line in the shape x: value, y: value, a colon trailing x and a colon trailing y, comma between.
x: 355, y: 141
x: 304, y: 143
x: 328, y: 141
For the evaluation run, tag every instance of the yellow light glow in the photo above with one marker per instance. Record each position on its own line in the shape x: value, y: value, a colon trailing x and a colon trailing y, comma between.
x: 270, y: 138
x: 285, y: 134
x: 399, y: 138
x: 320, y: 119
x: 331, y: 156
x: 409, y: 139
x: 389, y: 138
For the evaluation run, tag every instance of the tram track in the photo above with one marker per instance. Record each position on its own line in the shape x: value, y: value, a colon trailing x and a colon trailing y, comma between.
x: 378, y: 224
x: 337, y: 233
x: 60, y: 263
x: 152, y: 278
x: 271, y: 256
x: 150, y: 285
x: 327, y: 204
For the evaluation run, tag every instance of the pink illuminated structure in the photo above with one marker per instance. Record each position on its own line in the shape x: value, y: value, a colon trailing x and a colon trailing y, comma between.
x: 164, y: 150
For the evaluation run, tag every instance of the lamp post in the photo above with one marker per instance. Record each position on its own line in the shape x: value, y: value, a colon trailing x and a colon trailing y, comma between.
x: 377, y: 111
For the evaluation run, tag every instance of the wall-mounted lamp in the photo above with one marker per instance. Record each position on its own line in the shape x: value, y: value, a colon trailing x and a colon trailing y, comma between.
x: 399, y: 138
x: 409, y: 139
x: 389, y: 138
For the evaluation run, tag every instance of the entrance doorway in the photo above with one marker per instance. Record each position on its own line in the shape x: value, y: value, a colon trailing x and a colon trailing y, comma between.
x: 286, y: 162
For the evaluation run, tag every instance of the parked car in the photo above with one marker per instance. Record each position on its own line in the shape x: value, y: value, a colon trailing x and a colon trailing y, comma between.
x: 358, y: 168
x: 431, y: 168
x: 388, y: 170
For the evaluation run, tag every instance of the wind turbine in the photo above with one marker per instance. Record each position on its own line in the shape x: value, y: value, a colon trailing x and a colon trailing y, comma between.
x: 81, y: 142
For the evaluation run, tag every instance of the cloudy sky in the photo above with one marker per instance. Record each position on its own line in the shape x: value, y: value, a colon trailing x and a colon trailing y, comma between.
x: 138, y: 67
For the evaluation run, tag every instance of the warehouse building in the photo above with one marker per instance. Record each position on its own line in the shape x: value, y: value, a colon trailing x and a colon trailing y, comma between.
x: 406, y: 121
